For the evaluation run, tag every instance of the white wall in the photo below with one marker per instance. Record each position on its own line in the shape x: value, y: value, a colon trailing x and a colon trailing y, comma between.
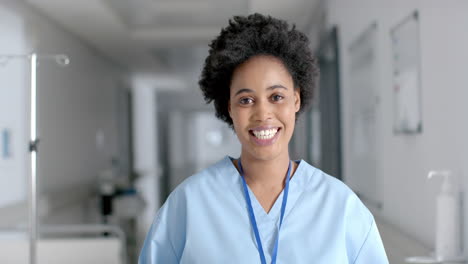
x: 408, y: 197
x: 75, y: 103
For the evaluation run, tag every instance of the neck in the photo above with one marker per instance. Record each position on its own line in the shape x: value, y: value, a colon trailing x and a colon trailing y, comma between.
x: 265, y: 173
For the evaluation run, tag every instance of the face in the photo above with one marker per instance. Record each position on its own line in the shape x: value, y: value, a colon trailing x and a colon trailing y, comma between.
x: 263, y: 105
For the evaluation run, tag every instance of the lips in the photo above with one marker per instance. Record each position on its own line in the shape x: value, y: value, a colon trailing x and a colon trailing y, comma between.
x: 264, y: 135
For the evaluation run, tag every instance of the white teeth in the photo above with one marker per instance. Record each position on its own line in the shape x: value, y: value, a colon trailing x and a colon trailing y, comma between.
x: 265, y: 134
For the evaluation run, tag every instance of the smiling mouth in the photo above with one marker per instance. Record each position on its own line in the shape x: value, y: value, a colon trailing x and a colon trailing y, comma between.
x: 264, y: 134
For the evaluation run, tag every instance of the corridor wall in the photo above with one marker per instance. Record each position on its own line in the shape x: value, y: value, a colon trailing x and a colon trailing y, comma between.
x: 76, y: 112
x: 408, y: 198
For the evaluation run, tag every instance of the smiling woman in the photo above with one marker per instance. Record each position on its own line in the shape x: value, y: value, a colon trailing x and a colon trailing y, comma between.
x: 262, y: 207
x: 263, y: 104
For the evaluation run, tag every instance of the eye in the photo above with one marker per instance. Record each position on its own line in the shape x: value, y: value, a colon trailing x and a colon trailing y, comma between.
x: 246, y: 101
x: 277, y: 97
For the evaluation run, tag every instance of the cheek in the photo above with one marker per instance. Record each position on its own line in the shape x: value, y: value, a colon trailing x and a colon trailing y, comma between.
x: 237, y: 118
x: 288, y: 112
x: 288, y: 116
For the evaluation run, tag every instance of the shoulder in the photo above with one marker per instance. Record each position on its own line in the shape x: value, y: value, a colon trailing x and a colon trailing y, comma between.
x: 339, y: 202
x: 333, y: 191
x: 342, y: 206
x: 213, y: 177
x: 216, y: 173
x: 191, y: 191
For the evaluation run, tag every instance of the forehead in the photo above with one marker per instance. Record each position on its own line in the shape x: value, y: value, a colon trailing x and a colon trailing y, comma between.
x: 261, y: 71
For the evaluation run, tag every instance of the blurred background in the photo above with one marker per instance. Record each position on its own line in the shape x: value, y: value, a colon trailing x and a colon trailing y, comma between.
x: 125, y: 122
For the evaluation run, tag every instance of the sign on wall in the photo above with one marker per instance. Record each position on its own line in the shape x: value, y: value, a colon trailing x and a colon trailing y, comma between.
x: 5, y: 144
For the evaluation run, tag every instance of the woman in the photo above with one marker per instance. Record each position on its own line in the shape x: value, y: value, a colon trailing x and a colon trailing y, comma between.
x: 262, y: 207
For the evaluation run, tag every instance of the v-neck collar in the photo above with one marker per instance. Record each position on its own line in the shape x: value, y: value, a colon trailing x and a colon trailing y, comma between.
x: 297, y: 185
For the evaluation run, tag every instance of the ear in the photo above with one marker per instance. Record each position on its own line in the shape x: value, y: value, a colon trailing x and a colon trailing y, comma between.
x: 297, y: 100
x: 229, y: 108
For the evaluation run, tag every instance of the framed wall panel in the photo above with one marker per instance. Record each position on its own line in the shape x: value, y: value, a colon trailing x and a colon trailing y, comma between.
x: 407, y: 117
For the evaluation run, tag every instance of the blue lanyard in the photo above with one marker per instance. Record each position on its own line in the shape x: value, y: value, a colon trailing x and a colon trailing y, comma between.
x: 254, y: 222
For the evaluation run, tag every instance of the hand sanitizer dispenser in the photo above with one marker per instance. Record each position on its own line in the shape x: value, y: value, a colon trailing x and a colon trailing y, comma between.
x: 448, y: 240
x: 448, y: 228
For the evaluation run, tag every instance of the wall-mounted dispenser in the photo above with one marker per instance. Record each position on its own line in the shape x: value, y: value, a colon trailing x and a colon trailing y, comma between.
x: 448, y: 225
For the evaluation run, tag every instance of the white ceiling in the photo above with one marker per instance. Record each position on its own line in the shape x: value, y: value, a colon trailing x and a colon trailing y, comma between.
x: 163, y: 35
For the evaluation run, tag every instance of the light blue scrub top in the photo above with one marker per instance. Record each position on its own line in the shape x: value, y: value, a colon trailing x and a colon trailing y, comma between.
x: 205, y: 220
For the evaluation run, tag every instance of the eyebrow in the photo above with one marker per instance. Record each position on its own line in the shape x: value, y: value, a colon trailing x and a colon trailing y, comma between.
x: 246, y: 90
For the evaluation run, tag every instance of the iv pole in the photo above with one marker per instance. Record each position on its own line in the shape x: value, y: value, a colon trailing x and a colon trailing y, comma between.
x: 61, y: 60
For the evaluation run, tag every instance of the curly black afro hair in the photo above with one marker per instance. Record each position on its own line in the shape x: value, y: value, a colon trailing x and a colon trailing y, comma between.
x: 249, y: 36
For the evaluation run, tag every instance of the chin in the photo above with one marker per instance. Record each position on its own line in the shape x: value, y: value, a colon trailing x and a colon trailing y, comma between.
x: 264, y: 153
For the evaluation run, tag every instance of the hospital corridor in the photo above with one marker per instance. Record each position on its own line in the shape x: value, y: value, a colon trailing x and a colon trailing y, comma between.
x: 106, y: 112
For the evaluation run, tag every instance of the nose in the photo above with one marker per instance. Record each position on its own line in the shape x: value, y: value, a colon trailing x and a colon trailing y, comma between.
x: 262, y: 111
